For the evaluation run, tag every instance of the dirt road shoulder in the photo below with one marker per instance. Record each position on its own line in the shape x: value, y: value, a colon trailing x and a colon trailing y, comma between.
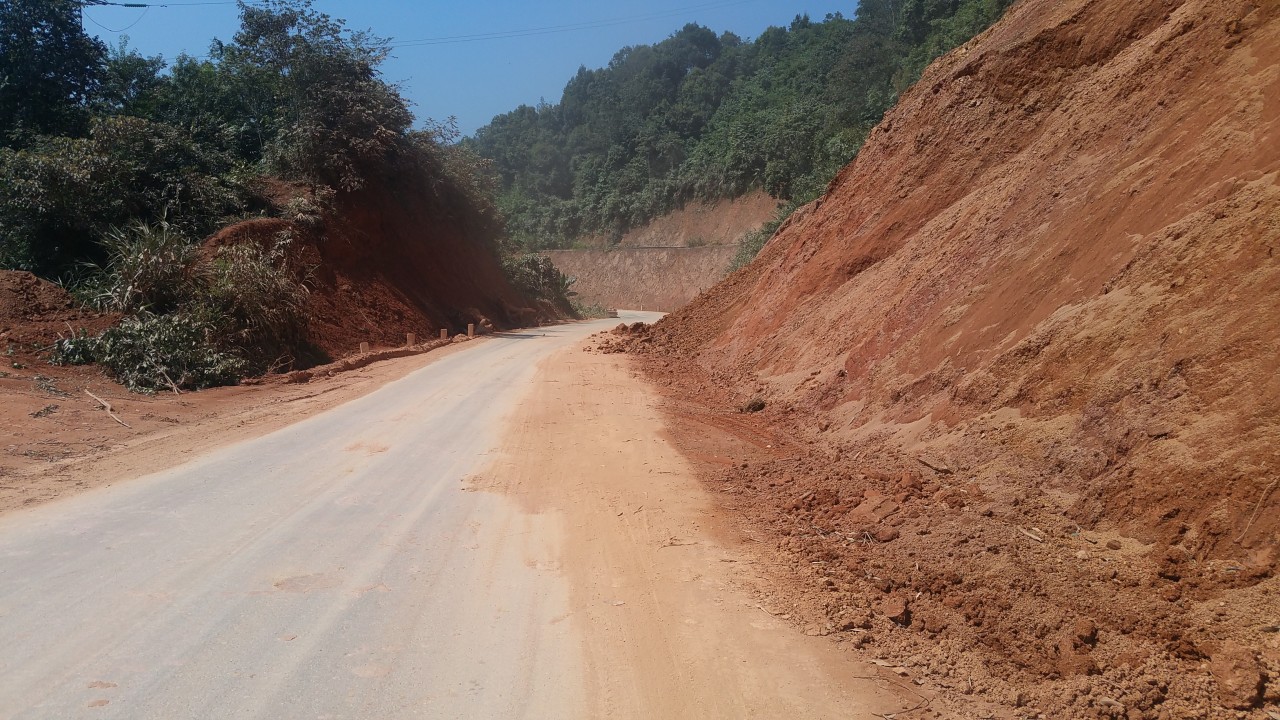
x: 661, y: 593
x: 58, y: 441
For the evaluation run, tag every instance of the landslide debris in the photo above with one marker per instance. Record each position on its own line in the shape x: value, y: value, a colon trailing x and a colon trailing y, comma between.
x: 1024, y: 351
x: 34, y: 313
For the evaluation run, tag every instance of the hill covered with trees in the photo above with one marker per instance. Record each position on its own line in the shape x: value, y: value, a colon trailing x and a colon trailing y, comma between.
x: 117, y: 168
x: 701, y: 116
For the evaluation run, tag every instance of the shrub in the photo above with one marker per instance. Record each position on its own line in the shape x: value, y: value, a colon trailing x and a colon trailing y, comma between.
x: 63, y: 195
x: 197, y: 320
x: 149, y: 267
x: 259, y: 300
x: 155, y: 352
x: 538, y: 277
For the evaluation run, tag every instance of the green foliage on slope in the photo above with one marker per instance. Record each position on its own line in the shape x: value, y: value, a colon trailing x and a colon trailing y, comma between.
x: 705, y: 116
x: 113, y: 166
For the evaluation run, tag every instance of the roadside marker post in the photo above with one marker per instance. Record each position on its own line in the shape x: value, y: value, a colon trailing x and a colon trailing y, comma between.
x: 364, y: 347
x: 471, y: 330
x: 444, y: 333
x: 410, y: 339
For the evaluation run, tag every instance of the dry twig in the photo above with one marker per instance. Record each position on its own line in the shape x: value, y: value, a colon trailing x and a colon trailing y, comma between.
x: 169, y: 380
x: 107, y: 406
x: 1256, y: 508
x: 1029, y: 534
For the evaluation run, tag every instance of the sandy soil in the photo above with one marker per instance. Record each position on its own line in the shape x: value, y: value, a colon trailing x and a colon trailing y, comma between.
x: 666, y: 595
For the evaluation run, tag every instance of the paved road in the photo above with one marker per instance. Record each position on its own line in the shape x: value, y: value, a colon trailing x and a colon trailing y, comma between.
x: 333, y: 569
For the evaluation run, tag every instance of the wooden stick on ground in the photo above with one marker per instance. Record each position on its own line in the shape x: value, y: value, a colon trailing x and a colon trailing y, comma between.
x: 107, y: 406
x: 169, y: 380
x: 1029, y: 534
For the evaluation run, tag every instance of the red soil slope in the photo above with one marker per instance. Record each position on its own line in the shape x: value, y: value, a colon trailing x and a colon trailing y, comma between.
x: 723, y: 222
x: 1029, y: 345
x: 34, y: 313
x: 389, y: 261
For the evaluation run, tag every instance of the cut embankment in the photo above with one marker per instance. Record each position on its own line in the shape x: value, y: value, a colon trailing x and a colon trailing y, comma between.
x: 643, y: 278
x: 1026, y: 344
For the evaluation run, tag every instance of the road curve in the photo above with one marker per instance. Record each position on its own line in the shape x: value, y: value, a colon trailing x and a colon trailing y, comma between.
x: 332, y: 569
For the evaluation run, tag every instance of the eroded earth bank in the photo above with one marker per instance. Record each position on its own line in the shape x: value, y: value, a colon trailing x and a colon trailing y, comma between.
x: 1016, y: 371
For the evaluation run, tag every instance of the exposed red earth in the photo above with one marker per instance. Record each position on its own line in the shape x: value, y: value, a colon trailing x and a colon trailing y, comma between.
x: 1018, y: 370
x: 387, y: 261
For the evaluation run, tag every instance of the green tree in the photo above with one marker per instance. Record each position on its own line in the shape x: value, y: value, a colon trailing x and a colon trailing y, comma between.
x: 337, y: 118
x: 49, y: 70
x: 129, y: 82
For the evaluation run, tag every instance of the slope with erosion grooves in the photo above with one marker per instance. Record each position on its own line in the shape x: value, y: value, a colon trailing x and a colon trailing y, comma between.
x: 393, y: 259
x: 1029, y: 337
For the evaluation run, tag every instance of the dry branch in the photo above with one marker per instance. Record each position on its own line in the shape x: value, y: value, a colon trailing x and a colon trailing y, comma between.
x: 935, y: 466
x: 1256, y: 508
x: 1029, y: 534
x: 107, y: 406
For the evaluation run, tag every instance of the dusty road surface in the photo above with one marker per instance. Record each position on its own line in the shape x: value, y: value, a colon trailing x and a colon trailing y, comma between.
x: 502, y: 534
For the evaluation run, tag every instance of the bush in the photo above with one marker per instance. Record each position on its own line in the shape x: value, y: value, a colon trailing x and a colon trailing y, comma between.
x: 259, y: 300
x: 156, y: 352
x: 63, y: 195
x: 538, y: 277
x: 197, y: 321
x: 149, y: 267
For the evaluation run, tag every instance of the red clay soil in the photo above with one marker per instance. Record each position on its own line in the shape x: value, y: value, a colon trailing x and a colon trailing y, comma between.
x: 1024, y: 354
x: 34, y: 313
x: 389, y: 261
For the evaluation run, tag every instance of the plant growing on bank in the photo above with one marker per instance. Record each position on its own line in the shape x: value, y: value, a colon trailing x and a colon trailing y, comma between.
x: 538, y: 277
x: 194, y: 319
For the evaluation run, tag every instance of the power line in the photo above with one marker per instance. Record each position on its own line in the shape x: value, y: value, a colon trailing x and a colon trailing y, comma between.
x: 112, y: 3
x: 551, y: 29
x: 145, y: 10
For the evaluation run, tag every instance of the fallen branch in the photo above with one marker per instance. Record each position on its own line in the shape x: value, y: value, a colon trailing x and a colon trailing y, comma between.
x: 1256, y: 508
x: 891, y: 716
x: 107, y: 406
x: 172, y: 385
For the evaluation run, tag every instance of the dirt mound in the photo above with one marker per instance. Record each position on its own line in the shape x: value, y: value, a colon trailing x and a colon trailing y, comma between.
x: 1026, y: 350
x: 35, y: 312
x: 387, y: 261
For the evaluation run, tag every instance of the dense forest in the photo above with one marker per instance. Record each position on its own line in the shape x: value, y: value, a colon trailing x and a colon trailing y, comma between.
x: 701, y: 116
x: 115, y: 166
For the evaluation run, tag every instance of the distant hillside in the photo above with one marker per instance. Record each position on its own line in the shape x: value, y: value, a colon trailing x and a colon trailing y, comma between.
x: 706, y: 116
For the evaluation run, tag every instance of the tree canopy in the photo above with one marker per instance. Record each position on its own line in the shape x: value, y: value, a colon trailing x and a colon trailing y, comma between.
x: 706, y: 116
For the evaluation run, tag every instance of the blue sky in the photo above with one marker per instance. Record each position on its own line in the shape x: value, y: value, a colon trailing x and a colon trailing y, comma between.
x: 473, y: 79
